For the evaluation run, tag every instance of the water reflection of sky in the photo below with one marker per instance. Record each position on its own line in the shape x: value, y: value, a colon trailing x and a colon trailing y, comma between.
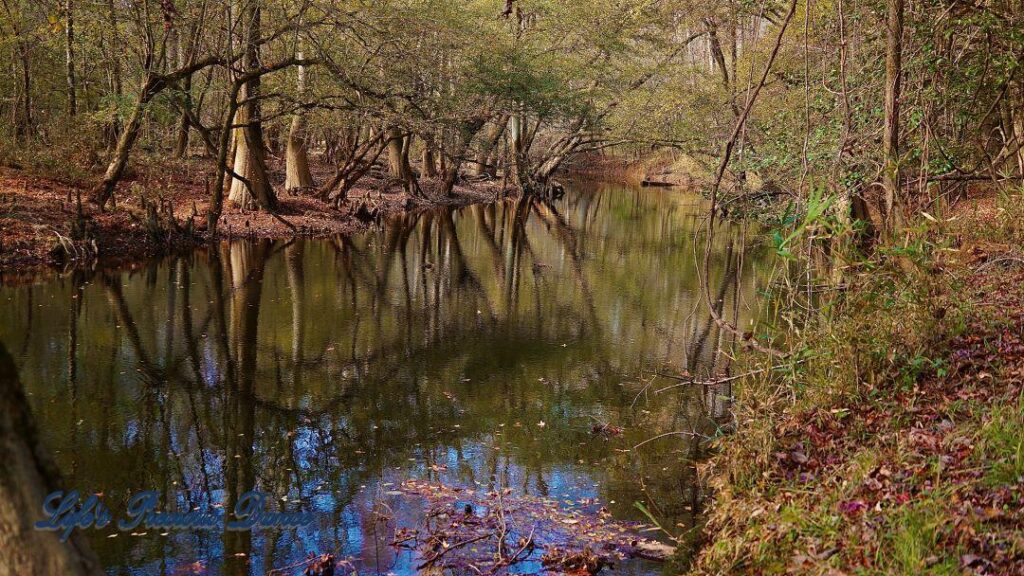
x: 343, y: 520
x: 431, y: 349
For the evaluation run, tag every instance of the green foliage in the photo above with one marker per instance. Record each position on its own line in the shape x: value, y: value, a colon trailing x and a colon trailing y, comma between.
x: 522, y: 80
x: 814, y: 215
x: 634, y: 72
x: 1003, y: 445
x: 915, y: 538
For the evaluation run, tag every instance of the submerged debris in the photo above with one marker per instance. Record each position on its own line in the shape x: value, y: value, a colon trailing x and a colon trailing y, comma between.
x: 492, y: 531
x: 322, y: 565
x: 578, y: 563
x: 605, y: 430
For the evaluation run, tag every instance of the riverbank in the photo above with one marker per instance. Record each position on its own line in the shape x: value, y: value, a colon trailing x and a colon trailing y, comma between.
x: 662, y: 168
x: 38, y: 212
x: 895, y: 444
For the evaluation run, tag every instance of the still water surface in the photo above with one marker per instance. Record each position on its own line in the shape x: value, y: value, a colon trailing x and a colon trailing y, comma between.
x: 474, y: 347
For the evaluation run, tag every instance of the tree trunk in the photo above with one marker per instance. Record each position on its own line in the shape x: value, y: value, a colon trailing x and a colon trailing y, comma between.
x: 406, y: 150
x: 493, y: 159
x: 844, y: 208
x: 482, y: 166
x: 1015, y: 98
x: 360, y: 158
x: 28, y: 475
x: 718, y: 57
x: 115, y: 170
x: 396, y: 167
x: 411, y: 182
x: 891, y: 130
x: 23, y: 101
x: 24, y: 128
x: 184, y: 124
x: 69, y: 53
x: 463, y: 137
x: 153, y: 85
x: 114, y: 129
x: 225, y: 151
x: 520, y: 157
x: 1016, y: 118
x: 249, y: 162
x: 297, y: 174
x: 442, y: 158
x: 429, y: 162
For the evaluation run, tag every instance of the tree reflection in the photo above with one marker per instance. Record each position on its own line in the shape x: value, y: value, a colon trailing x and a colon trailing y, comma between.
x: 320, y: 371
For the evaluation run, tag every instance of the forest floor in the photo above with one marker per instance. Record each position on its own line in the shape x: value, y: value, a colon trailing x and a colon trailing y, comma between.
x: 37, y: 211
x: 896, y: 444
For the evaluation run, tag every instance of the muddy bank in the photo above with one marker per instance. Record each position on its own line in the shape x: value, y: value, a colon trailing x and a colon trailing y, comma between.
x: 38, y: 213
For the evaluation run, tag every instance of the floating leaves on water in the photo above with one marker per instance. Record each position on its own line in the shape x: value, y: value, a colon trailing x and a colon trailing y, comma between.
x: 488, y: 531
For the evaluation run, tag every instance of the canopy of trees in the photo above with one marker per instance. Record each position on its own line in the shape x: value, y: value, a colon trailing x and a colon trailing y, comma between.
x: 831, y: 94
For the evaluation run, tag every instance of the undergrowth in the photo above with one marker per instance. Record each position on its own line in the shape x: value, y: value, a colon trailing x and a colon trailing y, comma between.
x: 890, y: 439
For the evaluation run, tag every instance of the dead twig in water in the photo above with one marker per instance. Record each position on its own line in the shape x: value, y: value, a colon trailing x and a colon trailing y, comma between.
x: 710, y: 382
x: 667, y: 434
x: 455, y: 546
x: 690, y: 381
x: 527, y: 547
x: 643, y: 390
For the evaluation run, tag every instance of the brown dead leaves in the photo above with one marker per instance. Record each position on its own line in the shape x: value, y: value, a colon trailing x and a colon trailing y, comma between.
x: 492, y: 531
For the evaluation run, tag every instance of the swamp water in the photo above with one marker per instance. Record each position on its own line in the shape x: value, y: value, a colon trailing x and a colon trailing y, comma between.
x: 509, y: 347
